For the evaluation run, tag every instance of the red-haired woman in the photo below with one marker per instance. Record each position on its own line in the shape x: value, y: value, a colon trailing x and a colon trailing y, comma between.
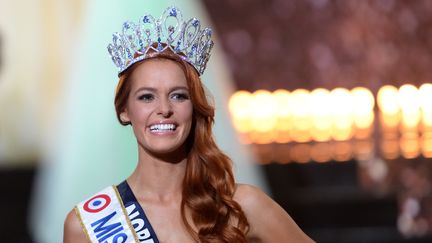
x: 182, y: 189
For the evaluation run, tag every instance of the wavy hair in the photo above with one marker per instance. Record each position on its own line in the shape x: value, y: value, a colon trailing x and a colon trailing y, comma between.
x: 208, y: 184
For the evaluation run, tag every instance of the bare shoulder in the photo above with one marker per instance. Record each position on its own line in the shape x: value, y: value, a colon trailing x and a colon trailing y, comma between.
x: 268, y: 221
x: 73, y: 232
x: 249, y: 195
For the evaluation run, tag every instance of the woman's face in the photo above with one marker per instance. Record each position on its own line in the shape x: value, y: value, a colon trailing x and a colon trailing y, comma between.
x: 159, y: 106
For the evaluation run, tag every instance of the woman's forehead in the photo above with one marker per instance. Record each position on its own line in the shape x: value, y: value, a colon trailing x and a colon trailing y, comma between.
x: 158, y: 72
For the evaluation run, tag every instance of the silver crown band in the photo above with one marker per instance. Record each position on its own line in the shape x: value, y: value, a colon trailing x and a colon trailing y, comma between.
x: 186, y: 39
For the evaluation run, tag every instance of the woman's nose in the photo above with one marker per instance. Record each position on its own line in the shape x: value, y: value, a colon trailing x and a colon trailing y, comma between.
x: 165, y: 108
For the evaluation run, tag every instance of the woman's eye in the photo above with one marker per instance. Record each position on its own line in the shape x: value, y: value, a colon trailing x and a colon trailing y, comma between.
x: 180, y: 96
x: 146, y: 97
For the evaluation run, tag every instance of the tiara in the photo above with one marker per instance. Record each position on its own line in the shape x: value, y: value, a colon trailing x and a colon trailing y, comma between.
x: 184, y: 38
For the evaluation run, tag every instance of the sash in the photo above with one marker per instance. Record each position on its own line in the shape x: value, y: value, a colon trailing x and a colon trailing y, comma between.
x: 141, y: 224
x: 105, y: 219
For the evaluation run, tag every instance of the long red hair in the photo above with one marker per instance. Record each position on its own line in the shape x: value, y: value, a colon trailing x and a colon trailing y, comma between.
x: 208, y: 185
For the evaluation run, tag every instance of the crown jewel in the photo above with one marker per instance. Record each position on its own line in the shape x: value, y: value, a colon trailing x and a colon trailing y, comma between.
x: 184, y: 38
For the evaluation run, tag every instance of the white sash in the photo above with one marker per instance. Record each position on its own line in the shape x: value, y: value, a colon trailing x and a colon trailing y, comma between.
x: 104, y: 218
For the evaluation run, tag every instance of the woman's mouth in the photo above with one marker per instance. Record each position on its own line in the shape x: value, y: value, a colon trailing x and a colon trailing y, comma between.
x: 163, y: 127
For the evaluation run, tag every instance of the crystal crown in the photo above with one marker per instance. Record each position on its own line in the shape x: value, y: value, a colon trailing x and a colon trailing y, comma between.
x: 184, y: 38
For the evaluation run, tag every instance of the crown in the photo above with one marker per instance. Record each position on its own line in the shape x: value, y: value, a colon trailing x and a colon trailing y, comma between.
x: 185, y: 39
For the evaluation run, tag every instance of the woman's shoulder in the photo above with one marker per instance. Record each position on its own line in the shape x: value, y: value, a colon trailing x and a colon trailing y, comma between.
x: 250, y: 197
x: 268, y: 221
x: 73, y: 228
x: 73, y: 231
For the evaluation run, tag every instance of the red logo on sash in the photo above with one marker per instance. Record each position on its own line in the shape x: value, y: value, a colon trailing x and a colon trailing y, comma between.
x: 97, y: 203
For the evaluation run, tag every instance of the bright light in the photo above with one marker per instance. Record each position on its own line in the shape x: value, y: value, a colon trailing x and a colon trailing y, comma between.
x: 388, y: 99
x: 284, y: 118
x: 363, y: 107
x: 425, y: 96
x: 301, y: 115
x: 341, y: 110
x: 410, y: 147
x: 426, y: 145
x: 321, y: 115
x: 363, y: 100
x: 409, y: 104
x: 264, y: 111
x: 240, y: 108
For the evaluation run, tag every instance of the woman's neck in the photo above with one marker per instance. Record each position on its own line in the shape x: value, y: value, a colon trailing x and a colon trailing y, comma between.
x: 158, y: 178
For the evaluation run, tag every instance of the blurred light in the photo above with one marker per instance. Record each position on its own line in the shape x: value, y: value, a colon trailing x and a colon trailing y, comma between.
x: 363, y: 133
x: 284, y: 123
x: 264, y: 153
x: 339, y: 115
x: 387, y: 100
x: 263, y: 109
x: 321, y: 152
x: 301, y: 116
x: 301, y: 152
x: 425, y: 96
x: 426, y: 145
x: 342, y: 151
x: 282, y: 153
x: 409, y: 104
x: 378, y: 170
x: 341, y: 110
x: 363, y: 149
x: 389, y: 122
x: 240, y: 108
x: 363, y: 107
x: 410, y: 147
x: 261, y: 137
x: 390, y: 148
x: 321, y: 115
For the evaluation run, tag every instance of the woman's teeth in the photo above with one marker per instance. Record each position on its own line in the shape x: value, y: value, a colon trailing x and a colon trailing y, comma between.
x: 163, y: 127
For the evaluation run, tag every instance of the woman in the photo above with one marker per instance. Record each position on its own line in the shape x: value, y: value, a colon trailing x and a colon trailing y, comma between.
x: 182, y: 182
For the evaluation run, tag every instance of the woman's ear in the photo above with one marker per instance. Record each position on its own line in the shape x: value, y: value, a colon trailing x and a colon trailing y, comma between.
x: 124, y: 116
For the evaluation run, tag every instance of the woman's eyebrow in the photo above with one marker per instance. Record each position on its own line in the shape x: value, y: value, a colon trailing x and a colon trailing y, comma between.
x: 179, y: 88
x: 175, y: 88
x: 145, y: 88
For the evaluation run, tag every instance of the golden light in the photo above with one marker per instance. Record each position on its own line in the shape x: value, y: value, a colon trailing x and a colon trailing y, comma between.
x: 426, y: 145
x: 410, y: 146
x: 390, y: 148
x: 258, y: 137
x: 387, y: 99
x: 239, y: 106
x: 341, y: 110
x: 263, y: 109
x: 301, y: 152
x: 342, y: 115
x: 409, y: 103
x: 389, y: 121
x: 321, y: 115
x: 321, y: 152
x: 284, y: 123
x: 425, y: 96
x: 363, y: 149
x: 342, y: 151
x: 363, y: 107
x: 300, y: 115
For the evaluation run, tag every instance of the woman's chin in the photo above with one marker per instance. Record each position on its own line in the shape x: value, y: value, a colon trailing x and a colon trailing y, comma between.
x: 168, y: 153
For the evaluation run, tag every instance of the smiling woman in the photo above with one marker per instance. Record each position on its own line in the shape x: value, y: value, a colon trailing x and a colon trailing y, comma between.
x: 158, y: 106
x: 183, y: 188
